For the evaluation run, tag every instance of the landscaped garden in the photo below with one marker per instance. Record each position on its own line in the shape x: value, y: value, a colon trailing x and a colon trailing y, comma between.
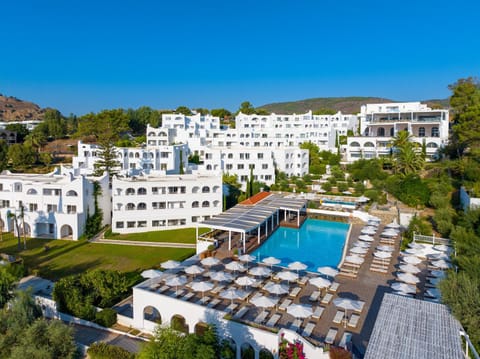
x: 184, y: 235
x: 55, y: 258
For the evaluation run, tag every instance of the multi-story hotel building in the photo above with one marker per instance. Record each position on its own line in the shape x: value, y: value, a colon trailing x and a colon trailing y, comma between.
x: 157, y: 202
x: 55, y: 205
x: 379, y: 123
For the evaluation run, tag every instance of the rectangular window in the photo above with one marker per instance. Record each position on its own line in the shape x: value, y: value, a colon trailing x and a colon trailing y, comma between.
x: 194, y: 219
x: 229, y: 166
x: 32, y: 207
x: 264, y: 166
x: 159, y: 205
x: 51, y: 208
x: 260, y: 156
x: 131, y: 224
x: 71, y: 209
x: 240, y: 166
x: 119, y: 224
x: 173, y: 222
x: 243, y: 178
x: 142, y: 224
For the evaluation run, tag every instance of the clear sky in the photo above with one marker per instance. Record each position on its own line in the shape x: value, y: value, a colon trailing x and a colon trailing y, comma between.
x: 80, y: 56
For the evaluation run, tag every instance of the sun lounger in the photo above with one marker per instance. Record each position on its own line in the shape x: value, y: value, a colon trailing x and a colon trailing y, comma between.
x: 231, y: 307
x: 261, y: 317
x: 317, y: 313
x: 274, y: 320
x: 217, y: 289
x: 295, y: 325
x: 241, y: 312
x: 334, y: 287
x: 286, y: 302
x: 188, y: 296
x: 345, y: 341
x: 315, y: 295
x: 302, y: 280
x: 214, y: 303
x: 256, y: 295
x: 177, y: 293
x: 294, y: 292
x: 327, y: 299
x: 307, y: 331
x: 204, y: 300
x: 354, y: 318
x: 339, y: 317
x: 163, y: 289
x: 362, y: 304
x: 331, y: 335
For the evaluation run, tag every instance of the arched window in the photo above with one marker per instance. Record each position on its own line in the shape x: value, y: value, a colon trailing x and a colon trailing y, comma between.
x: 137, y: 155
x: 32, y: 191
x: 209, y: 167
x: 354, y: 144
x: 216, y: 203
x: 368, y: 144
x: 71, y: 193
x: 421, y: 132
x: 435, y: 132
x: 381, y: 132
x: 205, y: 189
x: 392, y: 132
x: 195, y: 189
x: 130, y: 191
x: 151, y: 134
x: 142, y: 191
x: 205, y: 204
x: 195, y: 204
x: 130, y: 155
x: 162, y: 134
x: 432, y: 145
x: 130, y: 207
x: 142, y: 206
x: 215, y: 189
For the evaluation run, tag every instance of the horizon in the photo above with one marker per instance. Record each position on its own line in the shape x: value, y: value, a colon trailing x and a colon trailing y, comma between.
x: 85, y: 57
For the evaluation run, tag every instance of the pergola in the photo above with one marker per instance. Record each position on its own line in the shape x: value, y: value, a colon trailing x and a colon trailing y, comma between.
x: 246, y: 218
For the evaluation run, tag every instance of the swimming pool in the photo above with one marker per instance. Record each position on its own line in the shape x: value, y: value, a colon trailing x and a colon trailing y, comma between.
x: 330, y: 201
x: 317, y: 243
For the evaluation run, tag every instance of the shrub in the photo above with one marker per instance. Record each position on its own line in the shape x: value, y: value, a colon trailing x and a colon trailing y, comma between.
x: 327, y: 186
x: 342, y: 186
x: 102, y: 350
x: 106, y: 317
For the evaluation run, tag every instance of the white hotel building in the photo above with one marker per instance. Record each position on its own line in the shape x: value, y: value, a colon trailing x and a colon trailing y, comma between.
x: 55, y: 204
x: 159, y: 202
x: 379, y: 123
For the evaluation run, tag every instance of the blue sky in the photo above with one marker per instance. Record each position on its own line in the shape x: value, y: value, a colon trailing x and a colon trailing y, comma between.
x: 81, y: 56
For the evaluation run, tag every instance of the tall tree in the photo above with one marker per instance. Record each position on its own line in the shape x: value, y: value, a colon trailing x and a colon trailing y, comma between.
x: 246, y: 108
x: 183, y: 110
x: 21, y: 130
x: 3, y: 155
x: 408, y: 157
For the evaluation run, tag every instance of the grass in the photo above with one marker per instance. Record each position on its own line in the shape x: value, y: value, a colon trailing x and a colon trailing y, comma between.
x: 184, y: 235
x: 71, y: 257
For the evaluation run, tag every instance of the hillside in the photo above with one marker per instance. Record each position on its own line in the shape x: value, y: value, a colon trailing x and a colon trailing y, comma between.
x: 13, y: 109
x: 349, y: 105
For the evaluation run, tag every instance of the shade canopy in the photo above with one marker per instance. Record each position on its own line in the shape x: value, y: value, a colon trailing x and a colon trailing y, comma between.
x: 194, y: 269
x: 389, y: 234
x: 221, y: 276
x: 404, y: 287
x: 354, y: 259
x: 297, y: 266
x: 287, y: 275
x: 260, y: 271
x: 416, y: 245
x: 385, y: 248
x: 362, y: 199
x: 382, y: 255
x: 328, y: 271
x: 175, y: 281
x: 264, y: 301
x: 358, y: 250
x: 369, y: 231
x: 409, y: 268
x: 232, y: 293
x: 299, y: 310
x: 442, y: 264
x: 361, y: 244
x: 411, y: 259
x: 408, y: 278
x: 439, y: 255
x: 276, y: 288
x: 202, y: 286
x: 320, y: 282
x: 366, y: 238
x: 210, y: 261
x: 151, y: 273
x: 246, y: 258
x: 234, y: 266
x: 271, y: 261
x: 170, y: 264
x: 438, y: 273
x: 245, y: 280
x: 394, y: 225
x: 348, y: 304
x: 442, y: 248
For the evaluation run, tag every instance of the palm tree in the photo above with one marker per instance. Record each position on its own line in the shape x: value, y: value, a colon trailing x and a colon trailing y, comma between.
x: 15, y: 221
x: 407, y: 155
x: 401, y: 139
x: 22, y: 217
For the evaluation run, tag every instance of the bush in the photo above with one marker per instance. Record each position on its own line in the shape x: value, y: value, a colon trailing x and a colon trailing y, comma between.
x: 342, y: 186
x: 106, y: 317
x: 327, y: 186
x: 411, y: 190
x: 102, y: 350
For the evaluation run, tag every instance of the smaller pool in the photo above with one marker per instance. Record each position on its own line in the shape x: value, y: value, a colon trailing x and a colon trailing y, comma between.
x: 330, y: 201
x: 316, y: 243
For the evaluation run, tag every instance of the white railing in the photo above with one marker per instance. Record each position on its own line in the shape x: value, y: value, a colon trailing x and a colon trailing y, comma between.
x: 431, y: 239
x: 469, y: 345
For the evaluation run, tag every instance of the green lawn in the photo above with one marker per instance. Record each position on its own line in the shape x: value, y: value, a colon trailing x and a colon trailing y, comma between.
x: 68, y: 257
x: 184, y: 235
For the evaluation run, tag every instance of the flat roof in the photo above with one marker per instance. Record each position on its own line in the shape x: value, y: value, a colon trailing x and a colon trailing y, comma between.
x: 246, y: 217
x: 411, y: 328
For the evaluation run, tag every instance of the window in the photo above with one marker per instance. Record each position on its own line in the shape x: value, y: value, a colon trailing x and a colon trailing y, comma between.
x: 205, y: 204
x: 264, y: 166
x: 260, y: 156
x: 435, y: 132
x: 130, y: 191
x: 195, y: 204
x: 229, y: 166
x: 158, y: 190
x: 176, y: 190
x: 119, y: 225
x: 142, y: 206
x: 71, y: 209
x: 142, y: 224
x: 131, y: 224
x: 130, y: 207
x: 51, y: 208
x: 142, y: 191
x: 158, y: 223
x: 71, y: 193
x: 381, y: 132
x: 194, y: 219
x: 230, y: 155
x: 243, y: 178
x: 421, y: 132
x: 159, y: 205
x: 4, y: 203
x: 240, y: 166
x: 31, y: 191
x: 32, y: 207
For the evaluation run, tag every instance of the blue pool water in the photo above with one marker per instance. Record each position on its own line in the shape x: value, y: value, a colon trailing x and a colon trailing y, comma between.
x: 338, y: 202
x: 317, y: 243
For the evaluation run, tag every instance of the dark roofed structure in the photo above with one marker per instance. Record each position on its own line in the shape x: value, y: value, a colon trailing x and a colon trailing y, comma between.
x: 410, y: 328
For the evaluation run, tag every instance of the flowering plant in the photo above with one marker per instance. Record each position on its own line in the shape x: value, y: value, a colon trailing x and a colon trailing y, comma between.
x: 289, y: 350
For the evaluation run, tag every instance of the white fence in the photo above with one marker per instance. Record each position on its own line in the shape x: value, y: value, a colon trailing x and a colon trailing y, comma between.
x: 431, y: 239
